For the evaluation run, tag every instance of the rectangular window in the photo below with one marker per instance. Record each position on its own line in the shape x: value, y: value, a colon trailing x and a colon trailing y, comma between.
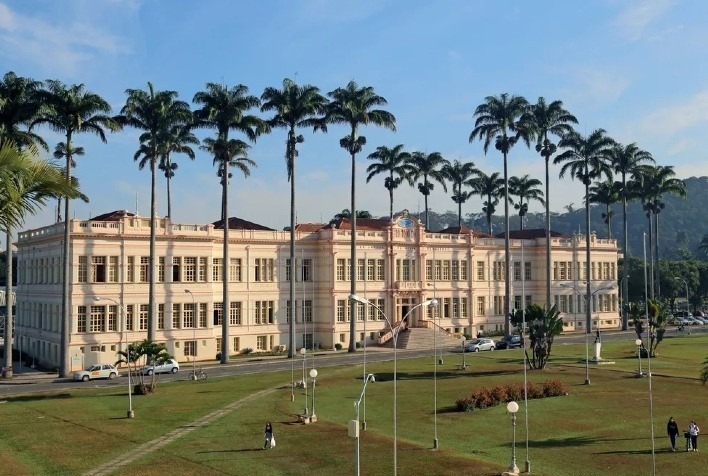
x: 455, y: 276
x: 428, y: 270
x: 176, y: 316
x: 218, y: 313
x: 517, y: 270
x: 264, y: 270
x: 202, y: 269
x: 288, y: 270
x: 112, y: 318
x: 499, y: 274
x: 176, y: 269
x: 161, y: 316
x: 446, y: 270
x: 264, y: 312
x: 380, y: 275
x: 405, y: 269
x: 235, y: 271
x: 481, y: 275
x: 97, y: 319
x: 527, y: 271
x: 83, y: 269
x: 190, y: 348
x: 112, y: 269
x: 360, y: 269
x: 498, y: 305
x: 306, y: 269
x: 98, y: 269
x: 143, y: 318
x: 237, y: 344
x: 81, y: 317
x: 161, y: 269
x: 564, y: 303
x: 360, y: 310
x: 481, y: 306
x: 342, y: 310
x: 288, y: 311
x: 342, y: 338
x: 307, y: 311
x: 189, y: 318
x: 216, y: 269
x: 371, y: 270
x: 340, y: 269
x: 131, y: 269
x: 190, y: 269
x: 437, y: 266
x: 262, y: 343
x: 202, y: 314
x: 144, y: 268
x: 218, y: 344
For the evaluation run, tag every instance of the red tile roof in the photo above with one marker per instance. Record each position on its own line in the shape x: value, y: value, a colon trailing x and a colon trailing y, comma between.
x: 309, y: 227
x: 113, y: 216
x: 240, y: 224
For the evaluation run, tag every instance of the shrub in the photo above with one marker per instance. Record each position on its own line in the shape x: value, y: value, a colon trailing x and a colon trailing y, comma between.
x: 554, y: 388
x: 218, y: 356
x: 514, y: 391
x: 337, y: 346
x: 499, y: 394
x: 358, y: 345
x: 246, y: 351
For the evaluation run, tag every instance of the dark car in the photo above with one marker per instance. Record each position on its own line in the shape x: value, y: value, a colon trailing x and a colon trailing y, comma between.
x: 509, y: 342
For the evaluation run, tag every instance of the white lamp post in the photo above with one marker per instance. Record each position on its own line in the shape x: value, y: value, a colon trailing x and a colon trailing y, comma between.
x: 313, y: 376
x: 512, y: 407
x: 130, y: 413
x: 588, y: 324
x: 194, y: 335
x: 303, y: 352
x: 354, y: 424
x: 394, y: 334
x: 638, y: 342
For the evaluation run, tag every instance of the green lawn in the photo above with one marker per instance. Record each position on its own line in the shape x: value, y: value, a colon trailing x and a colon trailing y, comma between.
x: 603, y: 428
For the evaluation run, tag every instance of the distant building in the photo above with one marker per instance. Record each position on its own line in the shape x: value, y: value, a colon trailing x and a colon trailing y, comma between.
x: 399, y: 265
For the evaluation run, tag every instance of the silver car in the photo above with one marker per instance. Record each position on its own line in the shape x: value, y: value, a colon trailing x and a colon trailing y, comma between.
x: 168, y: 366
x: 475, y: 345
x: 96, y: 371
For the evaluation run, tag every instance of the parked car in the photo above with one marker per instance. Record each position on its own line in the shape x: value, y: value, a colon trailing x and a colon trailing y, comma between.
x: 509, y: 342
x: 168, y: 366
x: 682, y: 314
x: 698, y: 313
x: 475, y: 345
x: 692, y: 321
x: 676, y: 321
x: 97, y: 371
x: 701, y: 320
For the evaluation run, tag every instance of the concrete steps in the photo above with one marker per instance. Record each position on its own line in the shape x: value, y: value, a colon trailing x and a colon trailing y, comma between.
x: 421, y: 338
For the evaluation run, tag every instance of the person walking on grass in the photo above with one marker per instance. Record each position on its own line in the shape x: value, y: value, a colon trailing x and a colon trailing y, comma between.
x: 693, y: 431
x: 672, y: 430
x: 268, y: 436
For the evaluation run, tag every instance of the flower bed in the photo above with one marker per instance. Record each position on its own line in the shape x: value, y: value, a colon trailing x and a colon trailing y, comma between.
x: 489, y: 397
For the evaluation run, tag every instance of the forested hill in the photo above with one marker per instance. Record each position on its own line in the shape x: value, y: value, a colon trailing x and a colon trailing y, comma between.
x: 682, y: 222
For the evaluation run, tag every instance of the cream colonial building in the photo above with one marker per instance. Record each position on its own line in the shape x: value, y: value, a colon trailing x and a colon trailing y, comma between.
x: 399, y: 265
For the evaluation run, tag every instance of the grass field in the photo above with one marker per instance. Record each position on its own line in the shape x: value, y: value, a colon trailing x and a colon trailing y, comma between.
x: 603, y: 428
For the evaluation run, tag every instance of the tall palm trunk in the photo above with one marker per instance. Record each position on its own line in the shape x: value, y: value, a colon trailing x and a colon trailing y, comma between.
x: 427, y: 225
x: 65, y: 356
x: 588, y: 276
x: 226, y: 310
x: 507, y: 257
x: 390, y: 195
x: 656, y: 250
x: 609, y: 221
x: 352, y: 272
x: 651, y: 257
x: 8, y: 308
x: 169, y: 198
x: 459, y: 213
x: 152, y: 321
x: 291, y: 324
x: 625, y: 267
x: 548, y: 233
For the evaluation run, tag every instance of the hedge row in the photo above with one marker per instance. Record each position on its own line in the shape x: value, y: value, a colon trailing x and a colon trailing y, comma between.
x: 489, y: 397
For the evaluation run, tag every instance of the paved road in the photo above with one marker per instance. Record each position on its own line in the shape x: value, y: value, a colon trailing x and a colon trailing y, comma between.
x: 31, y: 381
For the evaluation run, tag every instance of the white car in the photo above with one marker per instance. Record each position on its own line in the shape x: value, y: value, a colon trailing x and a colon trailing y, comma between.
x: 97, y: 371
x: 168, y: 366
x: 475, y: 345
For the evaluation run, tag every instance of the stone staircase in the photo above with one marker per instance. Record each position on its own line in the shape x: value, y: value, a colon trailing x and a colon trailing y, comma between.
x: 421, y: 338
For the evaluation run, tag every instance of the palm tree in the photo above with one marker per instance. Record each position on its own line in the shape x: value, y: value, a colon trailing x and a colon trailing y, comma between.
x: 606, y: 193
x: 459, y: 174
x: 72, y: 110
x: 587, y: 159
x: 295, y: 107
x: 625, y: 160
x: 354, y: 106
x: 549, y: 120
x: 19, y: 106
x: 526, y: 189
x: 651, y: 184
x: 61, y: 153
x: 490, y: 187
x: 178, y: 139
x: 25, y: 185
x: 703, y: 245
x: 224, y: 109
x: 499, y: 120
x: 155, y: 113
x: 428, y: 166
x: 395, y: 163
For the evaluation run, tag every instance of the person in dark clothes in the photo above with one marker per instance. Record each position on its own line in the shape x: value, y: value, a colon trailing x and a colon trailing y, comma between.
x: 672, y: 430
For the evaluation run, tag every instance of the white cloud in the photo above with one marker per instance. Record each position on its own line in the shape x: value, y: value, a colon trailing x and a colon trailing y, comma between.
x: 671, y: 120
x: 594, y: 87
x: 634, y: 20
x: 63, y: 48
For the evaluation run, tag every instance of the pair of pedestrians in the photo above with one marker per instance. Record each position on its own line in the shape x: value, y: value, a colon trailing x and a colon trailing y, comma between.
x: 691, y: 434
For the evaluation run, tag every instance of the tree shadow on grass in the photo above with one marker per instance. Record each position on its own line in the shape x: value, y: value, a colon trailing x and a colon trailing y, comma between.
x: 34, y: 398
x: 582, y: 441
x: 444, y: 374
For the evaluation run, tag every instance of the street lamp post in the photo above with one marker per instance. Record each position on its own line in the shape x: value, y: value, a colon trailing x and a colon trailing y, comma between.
x: 638, y: 342
x: 303, y: 352
x: 512, y: 407
x: 394, y: 334
x: 588, y: 324
x: 194, y: 335
x: 313, y: 376
x: 354, y: 425
x: 130, y: 413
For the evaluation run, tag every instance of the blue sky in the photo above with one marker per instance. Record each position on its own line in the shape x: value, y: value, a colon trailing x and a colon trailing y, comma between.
x: 635, y: 68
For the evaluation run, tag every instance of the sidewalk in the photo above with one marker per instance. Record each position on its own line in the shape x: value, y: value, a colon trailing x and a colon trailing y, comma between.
x: 23, y: 375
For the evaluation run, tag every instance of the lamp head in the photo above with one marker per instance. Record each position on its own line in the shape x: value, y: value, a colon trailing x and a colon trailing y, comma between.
x: 303, y: 351
x: 371, y: 378
x: 431, y: 302
x: 97, y: 298
x: 512, y: 407
x: 313, y: 373
x: 188, y: 291
x: 638, y: 342
x: 354, y: 297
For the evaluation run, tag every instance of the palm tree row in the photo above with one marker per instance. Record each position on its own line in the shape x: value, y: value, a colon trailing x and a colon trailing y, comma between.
x: 168, y: 126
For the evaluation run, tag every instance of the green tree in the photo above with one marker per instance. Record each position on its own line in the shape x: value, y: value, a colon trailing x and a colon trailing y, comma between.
x: 393, y: 162
x: 154, y: 113
x: 548, y: 120
x: 543, y: 326
x: 491, y: 188
x: 428, y: 166
x: 625, y: 160
x: 71, y: 110
x: 61, y: 153
x: 356, y: 107
x: 586, y: 158
x: 178, y: 139
x: 294, y: 107
x: 139, y: 354
x: 225, y: 109
x: 606, y: 193
x: 499, y: 119
x: 525, y: 189
x: 20, y: 105
x: 459, y: 174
